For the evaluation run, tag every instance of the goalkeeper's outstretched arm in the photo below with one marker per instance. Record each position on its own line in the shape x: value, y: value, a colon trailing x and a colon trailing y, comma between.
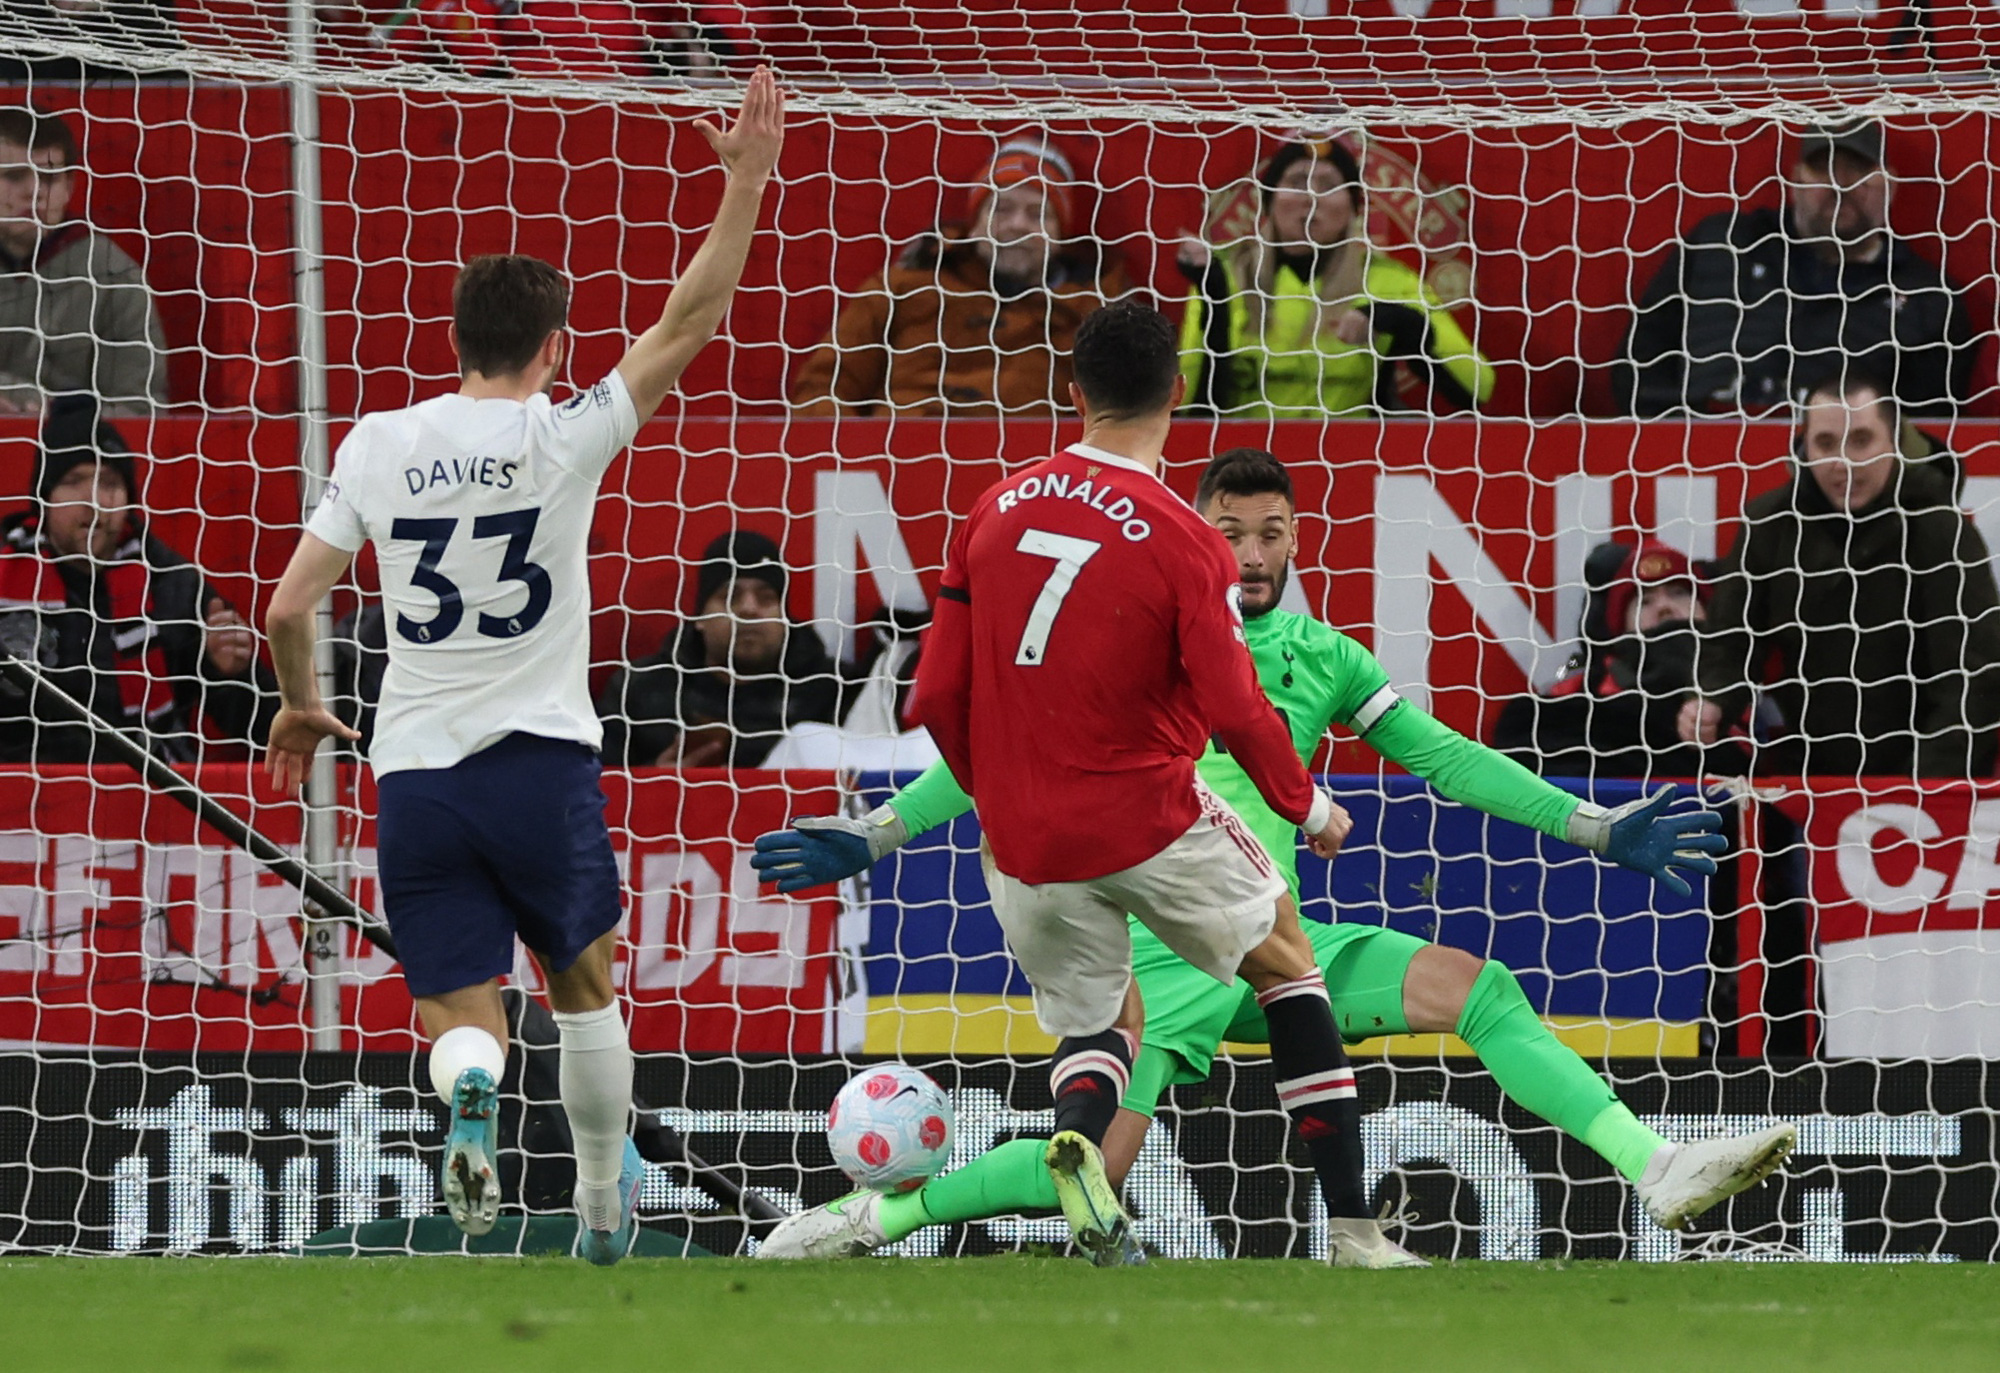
x: 818, y: 850
x: 1639, y: 835
x: 696, y: 305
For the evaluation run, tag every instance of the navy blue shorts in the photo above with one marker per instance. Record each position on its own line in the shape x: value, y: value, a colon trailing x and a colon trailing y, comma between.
x: 510, y: 841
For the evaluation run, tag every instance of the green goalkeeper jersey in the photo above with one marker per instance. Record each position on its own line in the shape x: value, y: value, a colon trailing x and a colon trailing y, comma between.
x: 1318, y: 677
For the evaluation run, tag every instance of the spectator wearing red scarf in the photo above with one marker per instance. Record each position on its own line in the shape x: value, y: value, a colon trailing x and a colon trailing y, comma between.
x: 116, y: 618
x: 1615, y: 713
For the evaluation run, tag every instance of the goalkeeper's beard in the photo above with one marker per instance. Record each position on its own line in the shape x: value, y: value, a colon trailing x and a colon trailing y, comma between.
x: 1276, y: 583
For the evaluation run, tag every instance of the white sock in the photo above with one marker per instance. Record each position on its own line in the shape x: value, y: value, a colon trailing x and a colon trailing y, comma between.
x: 1656, y: 1166
x: 597, y: 1097
x: 462, y: 1047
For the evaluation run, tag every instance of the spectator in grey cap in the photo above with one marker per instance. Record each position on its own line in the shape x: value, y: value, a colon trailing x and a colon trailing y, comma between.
x: 1755, y: 301
x: 733, y: 678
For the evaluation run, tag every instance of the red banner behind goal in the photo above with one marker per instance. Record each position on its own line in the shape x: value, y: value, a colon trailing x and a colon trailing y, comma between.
x: 124, y: 924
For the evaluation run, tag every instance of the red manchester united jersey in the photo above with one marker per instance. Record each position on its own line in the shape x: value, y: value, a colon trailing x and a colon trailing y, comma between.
x: 1087, y: 643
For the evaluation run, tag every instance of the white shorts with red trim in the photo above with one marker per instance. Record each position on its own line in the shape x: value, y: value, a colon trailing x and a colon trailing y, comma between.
x: 1211, y: 896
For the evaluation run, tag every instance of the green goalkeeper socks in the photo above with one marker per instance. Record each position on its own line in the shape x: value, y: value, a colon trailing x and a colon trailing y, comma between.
x: 1545, y: 1075
x: 1623, y: 1139
x: 1003, y: 1181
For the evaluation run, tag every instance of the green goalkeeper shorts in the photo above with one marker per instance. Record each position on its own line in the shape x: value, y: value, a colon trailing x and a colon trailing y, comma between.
x: 1189, y: 1015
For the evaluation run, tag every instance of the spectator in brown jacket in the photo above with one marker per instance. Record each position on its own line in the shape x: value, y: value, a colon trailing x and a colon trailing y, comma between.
x: 977, y: 323
x: 76, y: 317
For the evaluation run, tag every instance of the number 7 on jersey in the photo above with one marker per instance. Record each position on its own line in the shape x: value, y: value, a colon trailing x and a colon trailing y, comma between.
x: 1070, y: 555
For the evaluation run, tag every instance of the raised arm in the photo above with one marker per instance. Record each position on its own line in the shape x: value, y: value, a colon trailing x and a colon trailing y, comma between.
x: 696, y: 305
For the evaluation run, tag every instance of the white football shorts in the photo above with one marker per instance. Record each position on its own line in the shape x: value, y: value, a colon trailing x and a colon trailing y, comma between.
x: 1211, y: 896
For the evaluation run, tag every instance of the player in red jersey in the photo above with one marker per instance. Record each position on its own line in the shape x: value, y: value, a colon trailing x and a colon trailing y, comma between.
x: 1088, y: 642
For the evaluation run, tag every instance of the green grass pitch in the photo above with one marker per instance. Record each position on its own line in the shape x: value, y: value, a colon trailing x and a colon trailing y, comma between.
x: 1016, y: 1314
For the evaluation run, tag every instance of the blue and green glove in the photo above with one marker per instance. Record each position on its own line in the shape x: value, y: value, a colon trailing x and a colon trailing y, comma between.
x: 1641, y: 836
x: 822, y: 849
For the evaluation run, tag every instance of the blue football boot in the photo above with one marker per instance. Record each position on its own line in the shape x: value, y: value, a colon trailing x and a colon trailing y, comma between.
x: 471, y: 1168
x: 606, y: 1247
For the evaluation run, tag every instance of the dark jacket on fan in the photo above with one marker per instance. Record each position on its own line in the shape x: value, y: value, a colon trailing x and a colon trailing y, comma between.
x: 647, y: 706
x: 1743, y: 311
x: 127, y: 638
x: 1878, y: 633
x: 1617, y: 714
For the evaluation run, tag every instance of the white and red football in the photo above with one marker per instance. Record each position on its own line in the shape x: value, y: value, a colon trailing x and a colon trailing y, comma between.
x: 890, y: 1128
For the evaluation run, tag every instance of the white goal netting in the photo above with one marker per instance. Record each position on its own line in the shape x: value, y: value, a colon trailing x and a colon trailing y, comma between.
x: 1524, y: 294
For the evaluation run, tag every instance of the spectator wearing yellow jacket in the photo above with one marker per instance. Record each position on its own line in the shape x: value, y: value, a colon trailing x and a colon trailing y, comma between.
x: 1306, y: 319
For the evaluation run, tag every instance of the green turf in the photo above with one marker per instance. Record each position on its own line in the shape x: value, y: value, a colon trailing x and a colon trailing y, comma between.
x: 1018, y: 1314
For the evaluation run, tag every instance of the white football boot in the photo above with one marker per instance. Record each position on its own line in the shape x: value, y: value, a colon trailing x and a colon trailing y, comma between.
x: 846, y: 1228
x: 1697, y: 1176
x: 1361, y: 1244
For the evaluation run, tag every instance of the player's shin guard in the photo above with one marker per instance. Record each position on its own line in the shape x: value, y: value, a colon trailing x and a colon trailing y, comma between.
x: 597, y: 1097
x: 1316, y: 1088
x: 1089, y: 1079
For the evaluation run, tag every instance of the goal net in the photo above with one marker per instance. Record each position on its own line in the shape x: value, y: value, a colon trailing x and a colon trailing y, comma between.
x: 1526, y: 295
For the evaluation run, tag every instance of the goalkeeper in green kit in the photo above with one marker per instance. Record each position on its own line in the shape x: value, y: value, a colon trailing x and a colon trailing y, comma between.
x: 1381, y: 981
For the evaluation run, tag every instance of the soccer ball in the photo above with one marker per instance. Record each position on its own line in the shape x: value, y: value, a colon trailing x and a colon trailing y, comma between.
x: 890, y: 1128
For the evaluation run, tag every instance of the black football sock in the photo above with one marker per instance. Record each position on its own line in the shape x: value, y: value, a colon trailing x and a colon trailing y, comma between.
x: 1316, y: 1088
x: 1088, y: 1079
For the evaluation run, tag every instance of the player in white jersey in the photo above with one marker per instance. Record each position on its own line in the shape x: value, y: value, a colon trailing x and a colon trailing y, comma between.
x: 490, y: 822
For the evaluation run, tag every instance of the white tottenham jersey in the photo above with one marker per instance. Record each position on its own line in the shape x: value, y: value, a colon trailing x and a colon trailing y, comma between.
x: 480, y: 514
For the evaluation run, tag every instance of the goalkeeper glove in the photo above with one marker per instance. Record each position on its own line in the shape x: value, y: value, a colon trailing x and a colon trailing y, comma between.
x: 818, y: 850
x: 1640, y: 835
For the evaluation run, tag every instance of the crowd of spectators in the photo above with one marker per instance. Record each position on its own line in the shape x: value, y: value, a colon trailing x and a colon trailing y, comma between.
x: 1854, y: 627
x: 1302, y: 315
x: 1305, y: 317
